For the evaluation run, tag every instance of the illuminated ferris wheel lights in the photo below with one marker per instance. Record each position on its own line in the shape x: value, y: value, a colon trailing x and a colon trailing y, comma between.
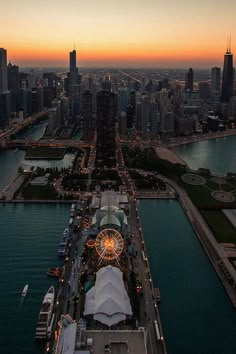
x: 109, y: 244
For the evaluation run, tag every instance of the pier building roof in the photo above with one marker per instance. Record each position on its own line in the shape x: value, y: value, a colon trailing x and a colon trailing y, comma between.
x: 109, y: 215
x: 108, y: 301
x: 109, y: 199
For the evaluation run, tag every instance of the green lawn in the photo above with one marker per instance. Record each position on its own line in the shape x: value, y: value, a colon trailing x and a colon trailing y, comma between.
x: 39, y: 192
x: 220, y: 226
x: 228, y: 188
x: 212, y: 185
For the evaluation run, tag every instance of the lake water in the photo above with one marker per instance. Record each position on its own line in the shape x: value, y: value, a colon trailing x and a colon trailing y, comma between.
x: 196, y: 313
x: 216, y: 154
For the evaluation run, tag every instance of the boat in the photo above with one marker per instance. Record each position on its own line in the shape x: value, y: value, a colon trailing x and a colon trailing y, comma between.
x: 24, y: 291
x: 157, y: 294
x: 63, y: 243
x: 54, y: 272
x: 46, y: 316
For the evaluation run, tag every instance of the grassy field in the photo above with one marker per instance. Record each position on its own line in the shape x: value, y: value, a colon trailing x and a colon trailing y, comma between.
x: 220, y: 226
x: 201, y: 195
x: 39, y: 192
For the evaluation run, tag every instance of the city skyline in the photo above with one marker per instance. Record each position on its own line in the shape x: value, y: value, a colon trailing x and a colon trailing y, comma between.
x: 109, y: 34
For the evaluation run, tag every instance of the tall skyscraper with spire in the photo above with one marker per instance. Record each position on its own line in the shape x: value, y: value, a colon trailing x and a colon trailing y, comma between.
x: 73, y: 69
x: 227, y: 80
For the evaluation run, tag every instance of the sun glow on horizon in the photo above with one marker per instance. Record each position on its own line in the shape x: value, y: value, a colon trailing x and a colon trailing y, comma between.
x: 108, y: 33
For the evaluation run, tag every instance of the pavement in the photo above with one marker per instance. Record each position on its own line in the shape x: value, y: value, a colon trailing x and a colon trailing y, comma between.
x: 13, y: 186
x: 150, y: 310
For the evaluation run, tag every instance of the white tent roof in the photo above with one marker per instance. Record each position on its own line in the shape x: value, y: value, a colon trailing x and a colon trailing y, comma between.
x: 108, y: 300
x: 110, y: 219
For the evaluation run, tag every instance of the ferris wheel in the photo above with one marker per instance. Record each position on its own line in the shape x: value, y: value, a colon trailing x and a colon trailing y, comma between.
x: 109, y: 244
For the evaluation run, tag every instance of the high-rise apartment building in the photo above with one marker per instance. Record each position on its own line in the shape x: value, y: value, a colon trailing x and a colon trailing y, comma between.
x: 189, y: 80
x: 122, y: 99
x: 3, y: 69
x: 215, y: 78
x: 106, y: 114
x: 4, y: 93
x: 13, y: 85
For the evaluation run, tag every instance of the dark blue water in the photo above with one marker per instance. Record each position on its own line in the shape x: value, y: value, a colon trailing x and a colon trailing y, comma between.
x: 196, y: 313
x: 216, y: 154
x: 30, y: 236
x: 10, y: 160
x: 35, y: 132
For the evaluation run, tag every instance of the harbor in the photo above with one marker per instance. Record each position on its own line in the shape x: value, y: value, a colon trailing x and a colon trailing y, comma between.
x: 39, y: 244
x: 68, y: 304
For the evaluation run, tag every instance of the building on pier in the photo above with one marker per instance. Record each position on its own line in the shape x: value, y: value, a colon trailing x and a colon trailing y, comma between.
x: 108, y: 315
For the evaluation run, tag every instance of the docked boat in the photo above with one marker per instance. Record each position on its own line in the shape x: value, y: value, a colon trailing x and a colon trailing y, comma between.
x: 54, y: 272
x: 46, y: 316
x: 24, y: 291
x: 157, y: 294
x: 63, y: 243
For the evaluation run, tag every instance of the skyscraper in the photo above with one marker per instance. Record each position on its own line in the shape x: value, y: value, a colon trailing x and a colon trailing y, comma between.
x: 73, y: 70
x: 189, y: 80
x: 3, y: 69
x: 215, y: 79
x: 106, y: 114
x: 4, y: 93
x: 227, y: 80
x: 13, y: 85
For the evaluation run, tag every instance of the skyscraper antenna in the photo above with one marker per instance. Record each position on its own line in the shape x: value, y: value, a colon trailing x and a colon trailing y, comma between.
x: 74, y: 45
x: 230, y: 43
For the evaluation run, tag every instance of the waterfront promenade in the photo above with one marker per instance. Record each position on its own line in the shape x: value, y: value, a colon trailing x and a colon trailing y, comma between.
x: 143, y: 270
x: 177, y: 141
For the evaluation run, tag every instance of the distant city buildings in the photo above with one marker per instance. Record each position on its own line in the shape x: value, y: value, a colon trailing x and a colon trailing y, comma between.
x: 148, y: 104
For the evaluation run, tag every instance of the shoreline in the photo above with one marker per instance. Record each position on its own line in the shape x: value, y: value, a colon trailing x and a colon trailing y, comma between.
x: 198, y: 138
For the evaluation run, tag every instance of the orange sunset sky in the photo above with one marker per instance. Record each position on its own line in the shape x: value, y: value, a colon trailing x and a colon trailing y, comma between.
x: 151, y: 33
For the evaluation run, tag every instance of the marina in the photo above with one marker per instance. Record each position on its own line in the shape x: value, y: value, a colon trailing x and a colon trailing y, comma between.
x: 38, y: 245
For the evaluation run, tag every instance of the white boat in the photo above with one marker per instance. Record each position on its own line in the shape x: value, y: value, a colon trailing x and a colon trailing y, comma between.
x: 24, y: 291
x: 63, y: 242
x: 45, y: 320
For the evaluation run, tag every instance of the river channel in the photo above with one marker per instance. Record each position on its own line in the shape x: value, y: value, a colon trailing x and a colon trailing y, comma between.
x: 11, y: 159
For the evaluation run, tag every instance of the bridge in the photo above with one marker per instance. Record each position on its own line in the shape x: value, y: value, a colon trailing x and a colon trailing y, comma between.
x: 28, y: 121
x: 47, y: 143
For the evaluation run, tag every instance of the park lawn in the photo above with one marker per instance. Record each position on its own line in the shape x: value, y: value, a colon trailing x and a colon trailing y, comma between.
x: 228, y: 188
x: 220, y: 225
x: 39, y: 192
x: 212, y: 185
x: 200, y: 196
